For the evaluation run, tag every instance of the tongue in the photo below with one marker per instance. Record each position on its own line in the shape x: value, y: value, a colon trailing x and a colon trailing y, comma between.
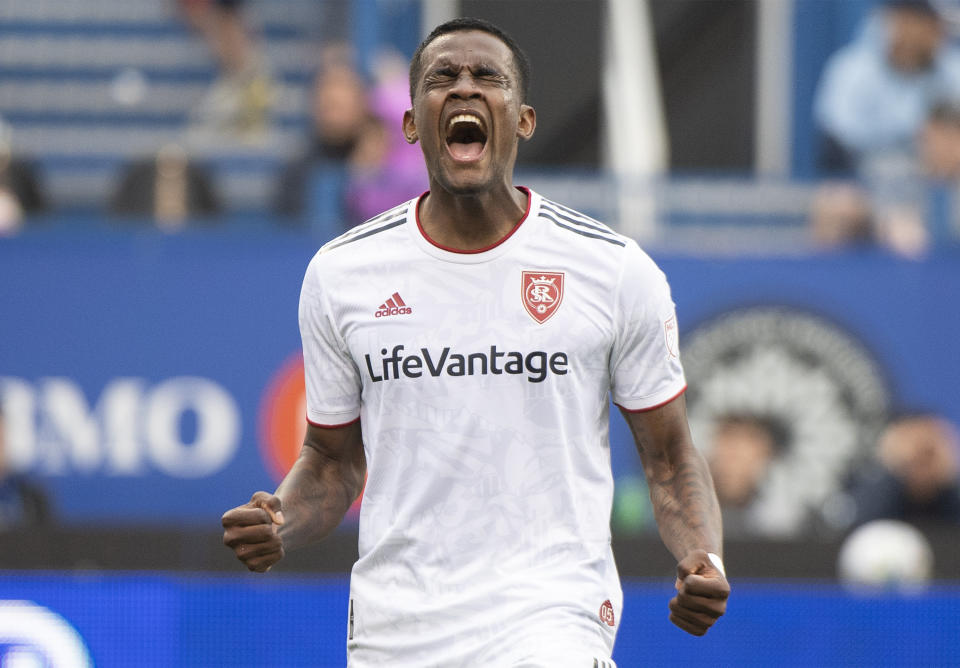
x: 462, y: 151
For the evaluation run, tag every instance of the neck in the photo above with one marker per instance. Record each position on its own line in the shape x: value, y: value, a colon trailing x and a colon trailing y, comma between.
x: 471, y: 222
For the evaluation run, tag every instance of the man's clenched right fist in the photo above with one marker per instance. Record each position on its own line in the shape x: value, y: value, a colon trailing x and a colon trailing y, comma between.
x: 252, y: 531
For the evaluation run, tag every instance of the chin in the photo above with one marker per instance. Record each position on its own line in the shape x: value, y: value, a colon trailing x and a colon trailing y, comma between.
x: 466, y: 190
x: 465, y: 186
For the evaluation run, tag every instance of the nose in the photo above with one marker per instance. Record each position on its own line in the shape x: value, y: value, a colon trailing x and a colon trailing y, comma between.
x: 465, y: 87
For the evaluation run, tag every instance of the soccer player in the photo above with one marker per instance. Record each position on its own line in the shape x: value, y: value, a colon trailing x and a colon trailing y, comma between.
x: 460, y: 350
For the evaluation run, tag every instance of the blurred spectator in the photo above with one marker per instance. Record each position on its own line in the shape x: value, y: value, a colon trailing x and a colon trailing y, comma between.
x: 845, y: 214
x: 339, y: 113
x: 237, y: 106
x: 940, y: 162
x: 168, y: 188
x: 915, y: 477
x: 22, y: 504
x: 904, y: 206
x: 876, y: 93
x: 20, y: 191
x: 940, y: 143
x: 741, y: 452
x: 358, y: 163
x: 399, y: 172
x: 914, y: 198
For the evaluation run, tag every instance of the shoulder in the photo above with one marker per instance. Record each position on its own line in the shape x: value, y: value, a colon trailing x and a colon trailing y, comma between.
x: 613, y: 260
x: 388, y: 220
x: 596, y: 242
x: 356, y: 244
x: 579, y: 227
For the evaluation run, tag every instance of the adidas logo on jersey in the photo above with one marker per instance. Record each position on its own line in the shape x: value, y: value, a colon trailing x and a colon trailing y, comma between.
x: 393, y: 306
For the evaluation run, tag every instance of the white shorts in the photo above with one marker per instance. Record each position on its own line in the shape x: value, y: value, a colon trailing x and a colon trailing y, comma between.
x: 568, y: 648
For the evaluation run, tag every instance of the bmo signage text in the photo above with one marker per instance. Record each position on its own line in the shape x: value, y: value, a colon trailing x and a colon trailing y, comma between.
x: 181, y: 427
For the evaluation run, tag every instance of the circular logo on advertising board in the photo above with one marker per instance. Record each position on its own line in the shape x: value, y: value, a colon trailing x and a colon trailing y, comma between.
x: 283, y: 421
x: 32, y: 635
x: 816, y: 381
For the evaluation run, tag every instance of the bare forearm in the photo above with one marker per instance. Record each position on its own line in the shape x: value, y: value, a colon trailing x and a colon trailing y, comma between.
x: 685, y: 504
x: 687, y: 512
x: 681, y: 489
x: 316, y: 494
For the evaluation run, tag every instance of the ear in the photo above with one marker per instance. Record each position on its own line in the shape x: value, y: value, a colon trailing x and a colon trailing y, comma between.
x: 409, y: 127
x: 528, y: 122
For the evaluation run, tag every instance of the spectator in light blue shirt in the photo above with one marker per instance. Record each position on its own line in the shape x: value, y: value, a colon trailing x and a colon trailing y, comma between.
x: 876, y: 92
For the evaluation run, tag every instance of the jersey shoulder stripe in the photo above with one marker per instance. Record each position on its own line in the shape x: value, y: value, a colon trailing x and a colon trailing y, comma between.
x: 573, y: 216
x: 338, y: 242
x: 389, y: 213
x: 578, y: 223
x: 392, y: 218
x: 584, y: 233
x: 576, y: 217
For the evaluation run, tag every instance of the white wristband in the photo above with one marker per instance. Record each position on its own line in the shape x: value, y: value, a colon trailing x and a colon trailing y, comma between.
x: 717, y: 563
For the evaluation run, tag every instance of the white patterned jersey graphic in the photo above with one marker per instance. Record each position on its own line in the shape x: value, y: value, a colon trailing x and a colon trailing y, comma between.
x: 482, y: 381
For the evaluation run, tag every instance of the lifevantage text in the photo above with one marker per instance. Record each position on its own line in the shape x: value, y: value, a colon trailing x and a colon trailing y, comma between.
x: 537, y: 365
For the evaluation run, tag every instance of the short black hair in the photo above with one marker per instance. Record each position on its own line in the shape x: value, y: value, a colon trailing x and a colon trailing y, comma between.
x: 520, y: 61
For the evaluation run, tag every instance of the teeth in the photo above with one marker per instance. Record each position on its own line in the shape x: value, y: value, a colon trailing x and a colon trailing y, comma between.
x: 463, y: 118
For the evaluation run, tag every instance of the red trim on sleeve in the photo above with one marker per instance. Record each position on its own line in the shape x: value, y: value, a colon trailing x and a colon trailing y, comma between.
x: 652, y: 408
x: 332, y: 426
x: 478, y: 250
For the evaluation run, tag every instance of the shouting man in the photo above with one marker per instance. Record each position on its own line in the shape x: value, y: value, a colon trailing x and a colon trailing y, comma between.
x: 460, y: 352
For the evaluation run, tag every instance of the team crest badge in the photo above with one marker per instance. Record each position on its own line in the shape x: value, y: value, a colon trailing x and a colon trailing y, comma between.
x: 542, y: 293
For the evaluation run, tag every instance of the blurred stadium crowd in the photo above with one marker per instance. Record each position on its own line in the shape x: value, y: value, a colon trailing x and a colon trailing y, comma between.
x: 284, y: 115
x: 193, y: 112
x: 169, y: 112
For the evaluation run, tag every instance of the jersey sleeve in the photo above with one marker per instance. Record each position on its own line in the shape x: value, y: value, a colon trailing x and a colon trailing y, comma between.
x: 645, y: 368
x: 333, y: 381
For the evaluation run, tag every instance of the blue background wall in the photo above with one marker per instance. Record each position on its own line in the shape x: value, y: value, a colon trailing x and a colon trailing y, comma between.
x: 93, y: 309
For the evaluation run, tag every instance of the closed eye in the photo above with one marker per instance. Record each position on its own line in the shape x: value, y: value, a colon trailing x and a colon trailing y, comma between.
x: 443, y: 73
x: 484, y: 72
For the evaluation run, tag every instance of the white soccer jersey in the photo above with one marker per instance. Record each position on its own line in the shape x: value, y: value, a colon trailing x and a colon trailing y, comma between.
x: 481, y: 380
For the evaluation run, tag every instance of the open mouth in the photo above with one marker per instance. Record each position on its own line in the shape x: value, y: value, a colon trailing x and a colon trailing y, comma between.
x: 466, y: 137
